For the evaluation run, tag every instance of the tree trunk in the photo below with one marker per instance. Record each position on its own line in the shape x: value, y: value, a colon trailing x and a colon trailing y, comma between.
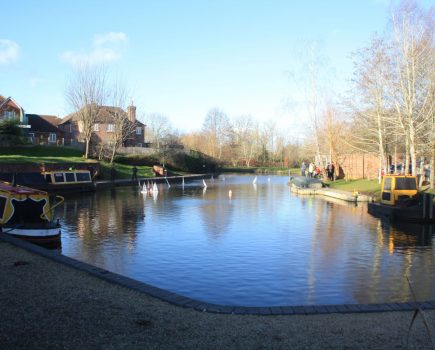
x: 87, y: 148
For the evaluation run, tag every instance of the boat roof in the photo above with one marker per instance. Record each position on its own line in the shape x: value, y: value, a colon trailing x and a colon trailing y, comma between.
x: 396, y: 176
x: 7, y: 187
x: 66, y: 171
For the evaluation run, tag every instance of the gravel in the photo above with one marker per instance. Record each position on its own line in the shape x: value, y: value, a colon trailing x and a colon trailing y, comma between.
x: 47, y: 305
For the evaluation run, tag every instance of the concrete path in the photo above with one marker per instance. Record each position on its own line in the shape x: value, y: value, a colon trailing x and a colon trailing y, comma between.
x: 333, y: 193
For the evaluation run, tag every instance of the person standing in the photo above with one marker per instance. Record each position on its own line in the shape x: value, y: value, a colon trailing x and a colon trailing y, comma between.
x: 134, y: 173
x: 303, y: 168
x: 329, y: 171
x: 310, y: 169
x: 112, y: 173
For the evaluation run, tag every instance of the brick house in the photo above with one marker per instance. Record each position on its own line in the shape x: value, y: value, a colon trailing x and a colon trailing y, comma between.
x: 44, y: 130
x: 104, y: 127
x: 10, y: 109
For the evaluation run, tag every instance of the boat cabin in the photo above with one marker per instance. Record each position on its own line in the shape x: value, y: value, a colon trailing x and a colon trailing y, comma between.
x: 397, y: 189
x: 68, y: 177
x: 21, y: 203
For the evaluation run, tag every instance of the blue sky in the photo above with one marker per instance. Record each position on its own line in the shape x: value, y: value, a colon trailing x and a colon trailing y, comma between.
x: 182, y: 58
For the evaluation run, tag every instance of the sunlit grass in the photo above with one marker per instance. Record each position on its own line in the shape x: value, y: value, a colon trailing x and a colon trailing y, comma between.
x: 41, y: 154
x: 124, y: 171
x: 370, y: 187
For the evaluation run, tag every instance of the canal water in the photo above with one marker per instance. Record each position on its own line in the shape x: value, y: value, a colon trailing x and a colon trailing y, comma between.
x: 262, y: 246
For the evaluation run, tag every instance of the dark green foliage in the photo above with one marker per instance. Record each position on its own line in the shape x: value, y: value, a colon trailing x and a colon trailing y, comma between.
x: 10, y: 127
x: 138, y: 159
x: 176, y: 161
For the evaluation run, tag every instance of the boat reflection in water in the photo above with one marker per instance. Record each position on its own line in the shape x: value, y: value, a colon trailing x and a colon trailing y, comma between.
x: 263, y: 246
x: 406, y: 235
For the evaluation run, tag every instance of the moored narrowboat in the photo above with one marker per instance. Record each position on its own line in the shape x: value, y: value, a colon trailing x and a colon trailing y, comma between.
x: 69, y: 180
x: 54, y: 181
x: 401, y: 201
x: 27, y: 213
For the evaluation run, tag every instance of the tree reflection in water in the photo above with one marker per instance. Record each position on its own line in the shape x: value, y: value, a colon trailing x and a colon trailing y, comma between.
x: 262, y: 246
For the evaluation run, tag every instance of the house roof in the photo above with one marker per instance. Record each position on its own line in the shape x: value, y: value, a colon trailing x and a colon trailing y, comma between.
x: 105, y: 115
x: 9, y: 101
x: 43, y: 123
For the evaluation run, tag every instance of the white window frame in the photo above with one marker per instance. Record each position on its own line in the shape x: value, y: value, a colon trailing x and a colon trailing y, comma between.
x: 31, y: 136
x: 96, y: 127
x: 110, y: 127
x: 10, y: 115
x: 52, y: 137
x: 138, y: 130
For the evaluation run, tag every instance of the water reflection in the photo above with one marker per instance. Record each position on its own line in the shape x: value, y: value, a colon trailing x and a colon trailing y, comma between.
x: 261, y: 246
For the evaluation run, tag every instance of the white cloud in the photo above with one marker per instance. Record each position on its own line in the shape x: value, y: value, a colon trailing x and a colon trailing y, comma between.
x: 110, y: 37
x: 105, y: 50
x: 9, y: 51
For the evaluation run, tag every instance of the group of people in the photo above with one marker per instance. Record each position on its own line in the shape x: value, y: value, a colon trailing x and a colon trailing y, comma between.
x: 315, y: 171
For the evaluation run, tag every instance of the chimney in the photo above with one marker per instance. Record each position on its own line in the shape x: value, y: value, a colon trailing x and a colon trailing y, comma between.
x: 131, y: 112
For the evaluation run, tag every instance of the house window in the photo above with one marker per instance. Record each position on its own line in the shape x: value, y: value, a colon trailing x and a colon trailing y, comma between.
x: 138, y: 130
x: 31, y: 136
x: 52, y: 137
x: 110, y: 127
x: 70, y: 128
x: 10, y: 115
x: 96, y: 127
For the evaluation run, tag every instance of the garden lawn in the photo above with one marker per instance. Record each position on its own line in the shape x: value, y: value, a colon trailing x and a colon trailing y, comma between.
x: 41, y: 154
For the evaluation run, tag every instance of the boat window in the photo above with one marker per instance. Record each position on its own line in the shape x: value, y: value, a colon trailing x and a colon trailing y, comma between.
x: 406, y: 183
x: 48, y: 178
x: 2, y: 206
x: 82, y: 177
x: 386, y: 196
x: 387, y: 184
x: 69, y: 177
x: 58, y: 177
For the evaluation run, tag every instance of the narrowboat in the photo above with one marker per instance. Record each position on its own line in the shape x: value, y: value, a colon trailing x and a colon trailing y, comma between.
x: 55, y: 181
x: 401, y: 201
x: 69, y: 180
x: 27, y: 213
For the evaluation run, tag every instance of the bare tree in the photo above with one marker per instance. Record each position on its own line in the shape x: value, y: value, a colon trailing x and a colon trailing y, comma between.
x: 124, y: 126
x: 412, y: 87
x: 216, y: 128
x: 86, y: 93
x: 372, y: 122
x: 159, y: 126
x: 246, y: 137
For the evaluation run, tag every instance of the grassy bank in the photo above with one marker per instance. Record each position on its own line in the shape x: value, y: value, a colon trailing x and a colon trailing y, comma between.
x: 369, y: 187
x: 41, y: 154
x: 123, y: 171
x: 261, y: 170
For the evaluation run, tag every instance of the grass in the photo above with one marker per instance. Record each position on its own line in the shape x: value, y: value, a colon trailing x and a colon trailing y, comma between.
x: 369, y: 187
x: 124, y: 171
x: 41, y: 154
x: 263, y: 170
x: 66, y: 155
